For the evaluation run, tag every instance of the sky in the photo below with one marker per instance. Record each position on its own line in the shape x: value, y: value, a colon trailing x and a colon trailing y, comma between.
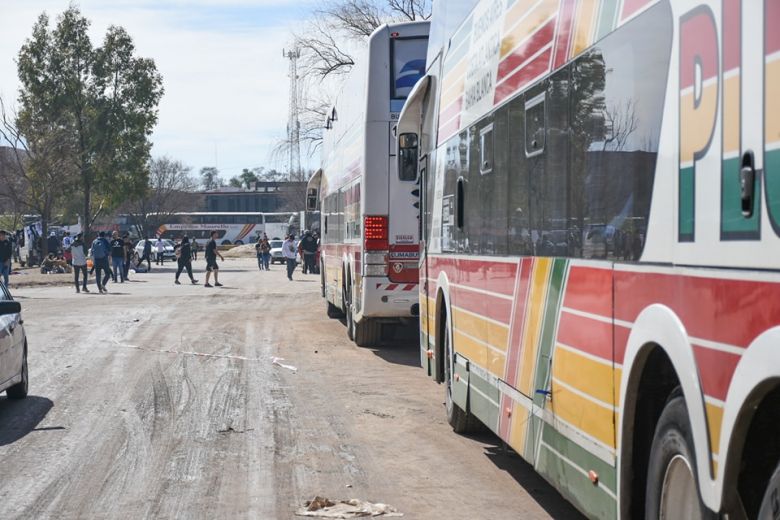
x: 226, y: 82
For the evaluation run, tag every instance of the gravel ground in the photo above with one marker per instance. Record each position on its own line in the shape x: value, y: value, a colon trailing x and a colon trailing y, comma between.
x: 164, y: 401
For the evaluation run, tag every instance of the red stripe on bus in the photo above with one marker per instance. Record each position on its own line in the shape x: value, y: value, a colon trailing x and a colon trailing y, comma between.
x: 771, y: 34
x: 566, y: 21
x: 497, y: 277
x: 448, y: 130
x: 590, y: 290
x: 726, y: 311
x: 732, y: 28
x: 517, y: 325
x: 492, y: 307
x: 699, y: 31
x: 631, y: 7
x: 716, y: 369
x: 585, y: 334
x: 522, y: 77
x: 527, y: 49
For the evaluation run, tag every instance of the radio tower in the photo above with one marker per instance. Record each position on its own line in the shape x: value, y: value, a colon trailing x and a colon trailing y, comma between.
x: 293, y: 124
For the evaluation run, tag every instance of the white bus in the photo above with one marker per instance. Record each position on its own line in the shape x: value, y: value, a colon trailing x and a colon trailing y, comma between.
x: 600, y: 272
x: 369, y: 224
x: 233, y: 228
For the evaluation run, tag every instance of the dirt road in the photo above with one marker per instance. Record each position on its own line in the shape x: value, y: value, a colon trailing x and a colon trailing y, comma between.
x: 162, y: 401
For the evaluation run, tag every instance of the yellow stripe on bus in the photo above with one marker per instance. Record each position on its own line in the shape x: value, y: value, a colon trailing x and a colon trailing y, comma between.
x: 714, y: 420
x: 731, y: 119
x: 534, y: 318
x: 772, y: 108
x: 469, y: 348
x: 586, y: 375
x: 586, y: 16
x: 583, y: 414
x: 518, y: 427
x: 697, y: 121
x: 528, y: 26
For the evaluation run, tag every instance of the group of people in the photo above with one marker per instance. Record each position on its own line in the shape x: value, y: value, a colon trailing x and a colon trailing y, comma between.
x: 308, y: 248
x: 112, y: 259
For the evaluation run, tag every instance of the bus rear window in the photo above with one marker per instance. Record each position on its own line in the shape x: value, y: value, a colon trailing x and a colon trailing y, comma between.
x: 408, y: 57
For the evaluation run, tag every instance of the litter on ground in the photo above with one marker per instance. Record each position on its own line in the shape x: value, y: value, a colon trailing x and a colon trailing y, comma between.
x: 321, y: 507
x: 278, y: 362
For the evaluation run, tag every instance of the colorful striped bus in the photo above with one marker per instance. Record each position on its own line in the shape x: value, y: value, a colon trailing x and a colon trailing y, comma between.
x: 600, y: 244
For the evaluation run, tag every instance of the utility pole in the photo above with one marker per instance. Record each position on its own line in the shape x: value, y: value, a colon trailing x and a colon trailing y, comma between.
x: 293, y: 124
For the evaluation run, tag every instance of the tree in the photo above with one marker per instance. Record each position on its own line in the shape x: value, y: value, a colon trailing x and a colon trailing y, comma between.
x: 235, y: 182
x: 170, y: 190
x: 35, y: 172
x: 104, y: 99
x: 327, y: 42
x: 209, y: 178
x: 247, y: 178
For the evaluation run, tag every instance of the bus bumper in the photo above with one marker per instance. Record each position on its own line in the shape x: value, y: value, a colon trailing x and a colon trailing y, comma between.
x: 383, y: 299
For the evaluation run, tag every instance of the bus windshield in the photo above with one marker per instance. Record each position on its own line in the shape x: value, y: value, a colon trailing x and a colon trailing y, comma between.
x: 408, y: 58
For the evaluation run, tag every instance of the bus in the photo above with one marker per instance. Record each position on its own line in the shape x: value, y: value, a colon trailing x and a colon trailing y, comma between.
x: 232, y: 228
x: 600, y: 244
x: 368, y: 219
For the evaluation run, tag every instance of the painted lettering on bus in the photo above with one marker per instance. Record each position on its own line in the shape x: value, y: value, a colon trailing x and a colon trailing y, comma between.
x: 772, y: 111
x: 700, y: 81
x: 698, y: 107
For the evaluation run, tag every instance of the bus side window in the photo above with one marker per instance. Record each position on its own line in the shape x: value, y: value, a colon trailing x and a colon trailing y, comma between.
x: 534, y: 125
x: 486, y: 150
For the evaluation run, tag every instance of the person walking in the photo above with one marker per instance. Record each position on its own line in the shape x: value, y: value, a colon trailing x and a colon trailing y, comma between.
x: 147, y: 254
x: 159, y: 247
x: 259, y: 253
x: 265, y: 249
x: 289, y: 253
x: 6, y: 256
x: 79, y: 262
x: 194, y: 247
x: 185, y: 260
x: 211, y: 261
x: 100, y: 251
x: 67, y: 241
x: 118, y: 257
x: 309, y: 249
x: 128, y: 254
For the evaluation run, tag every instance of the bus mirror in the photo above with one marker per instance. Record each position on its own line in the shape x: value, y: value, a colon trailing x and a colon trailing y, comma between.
x: 408, y: 152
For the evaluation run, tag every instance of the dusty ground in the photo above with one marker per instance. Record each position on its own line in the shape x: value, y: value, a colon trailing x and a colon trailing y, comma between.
x: 114, y: 428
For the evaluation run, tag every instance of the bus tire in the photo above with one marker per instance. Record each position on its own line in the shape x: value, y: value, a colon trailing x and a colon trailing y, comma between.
x: 367, y: 333
x: 333, y: 311
x: 672, y: 483
x: 348, y: 314
x: 770, y: 505
x: 460, y: 420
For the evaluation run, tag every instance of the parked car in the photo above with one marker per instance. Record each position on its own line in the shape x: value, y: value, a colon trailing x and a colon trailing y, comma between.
x: 276, y: 251
x: 13, y: 347
x: 168, y: 254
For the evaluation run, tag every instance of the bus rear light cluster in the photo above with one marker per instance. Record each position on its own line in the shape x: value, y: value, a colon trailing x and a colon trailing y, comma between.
x: 375, y: 233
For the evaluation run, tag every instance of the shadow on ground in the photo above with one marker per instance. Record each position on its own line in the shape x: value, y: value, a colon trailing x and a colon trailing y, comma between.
x: 21, y: 417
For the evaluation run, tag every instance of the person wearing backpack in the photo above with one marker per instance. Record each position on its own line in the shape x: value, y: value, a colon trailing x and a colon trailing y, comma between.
x: 100, y: 251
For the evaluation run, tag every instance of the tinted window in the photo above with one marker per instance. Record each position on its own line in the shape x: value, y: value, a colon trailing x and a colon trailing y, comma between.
x: 408, y: 64
x: 535, y: 125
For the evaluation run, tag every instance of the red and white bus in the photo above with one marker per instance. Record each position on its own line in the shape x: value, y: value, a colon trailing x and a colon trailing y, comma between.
x: 600, y: 271
x: 369, y: 224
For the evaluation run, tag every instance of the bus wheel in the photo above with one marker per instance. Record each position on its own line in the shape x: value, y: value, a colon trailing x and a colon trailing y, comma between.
x: 770, y: 505
x: 672, y: 486
x: 367, y: 333
x: 460, y: 421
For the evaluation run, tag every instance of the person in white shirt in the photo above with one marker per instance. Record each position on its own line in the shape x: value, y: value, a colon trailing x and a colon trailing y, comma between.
x: 159, y: 246
x: 290, y: 254
x: 79, y: 259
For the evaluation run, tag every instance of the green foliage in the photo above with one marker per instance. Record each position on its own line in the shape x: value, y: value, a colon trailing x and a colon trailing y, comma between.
x: 209, y: 178
x: 102, y: 102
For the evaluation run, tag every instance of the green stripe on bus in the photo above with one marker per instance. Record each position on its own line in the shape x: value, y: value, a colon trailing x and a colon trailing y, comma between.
x: 607, y: 18
x: 686, y: 204
x: 581, y: 457
x: 732, y: 224
x: 485, y: 408
x: 575, y: 487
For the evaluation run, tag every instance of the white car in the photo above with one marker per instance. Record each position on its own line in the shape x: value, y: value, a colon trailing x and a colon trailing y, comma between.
x: 13, y: 347
x: 168, y: 254
x: 276, y: 251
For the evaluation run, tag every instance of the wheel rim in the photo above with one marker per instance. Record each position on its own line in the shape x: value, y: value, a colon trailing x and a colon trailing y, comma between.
x: 679, y: 498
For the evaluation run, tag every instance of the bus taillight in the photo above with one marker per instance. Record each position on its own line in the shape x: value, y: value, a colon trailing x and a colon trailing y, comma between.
x: 375, y: 233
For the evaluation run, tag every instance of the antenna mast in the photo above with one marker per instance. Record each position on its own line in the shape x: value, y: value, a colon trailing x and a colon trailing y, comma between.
x: 293, y: 124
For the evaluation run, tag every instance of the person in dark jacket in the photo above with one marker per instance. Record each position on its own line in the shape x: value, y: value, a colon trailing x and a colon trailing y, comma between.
x: 6, y: 255
x: 184, y: 259
x: 147, y: 254
x: 118, y: 257
x: 100, y: 253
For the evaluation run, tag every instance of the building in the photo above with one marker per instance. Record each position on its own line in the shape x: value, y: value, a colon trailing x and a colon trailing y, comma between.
x: 261, y: 196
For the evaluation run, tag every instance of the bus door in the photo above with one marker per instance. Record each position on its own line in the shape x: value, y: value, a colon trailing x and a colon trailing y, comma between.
x: 403, y: 223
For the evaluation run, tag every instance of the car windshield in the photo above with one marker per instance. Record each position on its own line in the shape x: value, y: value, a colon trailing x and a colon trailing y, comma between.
x: 276, y: 243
